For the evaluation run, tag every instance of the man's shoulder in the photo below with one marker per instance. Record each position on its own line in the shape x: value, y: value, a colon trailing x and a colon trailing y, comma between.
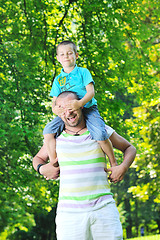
x: 109, y: 130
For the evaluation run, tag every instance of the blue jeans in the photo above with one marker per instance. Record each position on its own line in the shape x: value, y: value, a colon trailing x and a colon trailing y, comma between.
x: 56, y: 126
x: 94, y: 122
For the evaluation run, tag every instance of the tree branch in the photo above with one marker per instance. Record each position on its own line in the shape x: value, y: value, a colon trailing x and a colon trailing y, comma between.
x: 58, y: 27
x: 26, y: 14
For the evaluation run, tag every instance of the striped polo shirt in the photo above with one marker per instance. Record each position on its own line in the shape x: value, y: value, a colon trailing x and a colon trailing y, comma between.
x: 83, y: 182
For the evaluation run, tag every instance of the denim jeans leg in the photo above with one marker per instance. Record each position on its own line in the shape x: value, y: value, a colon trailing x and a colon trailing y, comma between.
x: 95, y: 123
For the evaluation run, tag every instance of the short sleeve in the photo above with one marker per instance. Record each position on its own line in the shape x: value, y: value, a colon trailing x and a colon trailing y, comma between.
x: 87, y: 77
x: 109, y: 130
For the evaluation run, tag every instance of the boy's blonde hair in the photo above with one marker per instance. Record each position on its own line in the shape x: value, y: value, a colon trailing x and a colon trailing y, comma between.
x: 66, y: 43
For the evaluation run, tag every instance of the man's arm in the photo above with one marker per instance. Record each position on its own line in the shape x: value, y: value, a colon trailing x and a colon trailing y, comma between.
x: 47, y: 170
x: 129, y: 151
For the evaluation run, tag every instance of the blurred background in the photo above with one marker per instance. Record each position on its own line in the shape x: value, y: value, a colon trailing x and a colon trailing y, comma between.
x: 118, y: 41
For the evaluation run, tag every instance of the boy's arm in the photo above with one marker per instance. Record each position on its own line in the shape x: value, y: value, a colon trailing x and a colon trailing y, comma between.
x: 76, y: 104
x: 88, y: 96
x: 55, y: 108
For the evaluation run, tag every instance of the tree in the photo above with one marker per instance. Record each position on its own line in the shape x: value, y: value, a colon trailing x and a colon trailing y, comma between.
x: 118, y: 42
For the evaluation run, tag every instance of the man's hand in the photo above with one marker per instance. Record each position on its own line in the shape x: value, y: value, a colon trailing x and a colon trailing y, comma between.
x: 117, y: 173
x: 50, y: 171
x: 73, y: 105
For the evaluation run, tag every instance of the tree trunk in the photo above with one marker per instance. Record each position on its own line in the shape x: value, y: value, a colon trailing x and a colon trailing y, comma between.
x: 127, y: 207
x: 129, y: 219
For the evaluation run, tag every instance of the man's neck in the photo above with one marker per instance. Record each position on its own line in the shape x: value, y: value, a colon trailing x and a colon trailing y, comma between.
x: 77, y: 130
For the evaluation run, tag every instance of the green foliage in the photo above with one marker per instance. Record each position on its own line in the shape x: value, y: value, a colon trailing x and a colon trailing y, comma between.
x: 118, y: 42
x: 154, y: 237
x: 45, y: 227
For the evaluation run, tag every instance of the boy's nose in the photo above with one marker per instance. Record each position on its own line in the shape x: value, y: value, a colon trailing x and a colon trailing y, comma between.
x: 66, y: 55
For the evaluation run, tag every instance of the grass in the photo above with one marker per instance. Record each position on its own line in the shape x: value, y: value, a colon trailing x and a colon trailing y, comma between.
x: 155, y: 237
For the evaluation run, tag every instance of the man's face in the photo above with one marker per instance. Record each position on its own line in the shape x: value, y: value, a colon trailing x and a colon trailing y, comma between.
x: 70, y: 118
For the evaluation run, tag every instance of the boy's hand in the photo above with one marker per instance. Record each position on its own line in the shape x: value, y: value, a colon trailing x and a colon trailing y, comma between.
x: 117, y: 173
x: 49, y: 171
x: 58, y: 110
x: 73, y: 105
x: 55, y: 162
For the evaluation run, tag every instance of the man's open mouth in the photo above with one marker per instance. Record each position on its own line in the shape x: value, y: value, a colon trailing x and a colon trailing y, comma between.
x: 71, y: 119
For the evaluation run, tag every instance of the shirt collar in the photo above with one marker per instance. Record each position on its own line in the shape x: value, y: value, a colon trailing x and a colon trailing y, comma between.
x: 64, y: 74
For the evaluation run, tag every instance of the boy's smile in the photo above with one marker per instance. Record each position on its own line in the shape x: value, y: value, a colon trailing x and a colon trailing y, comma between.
x: 67, y: 57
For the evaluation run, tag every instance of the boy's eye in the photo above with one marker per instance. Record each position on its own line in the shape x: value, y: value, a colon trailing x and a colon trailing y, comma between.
x: 69, y: 53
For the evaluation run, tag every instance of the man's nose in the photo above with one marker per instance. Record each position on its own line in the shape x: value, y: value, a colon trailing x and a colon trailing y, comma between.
x: 68, y: 111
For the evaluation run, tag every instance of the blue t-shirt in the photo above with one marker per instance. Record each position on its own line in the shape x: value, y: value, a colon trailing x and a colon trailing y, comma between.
x: 75, y: 81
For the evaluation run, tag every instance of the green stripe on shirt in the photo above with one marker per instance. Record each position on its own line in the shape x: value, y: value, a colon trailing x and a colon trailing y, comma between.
x: 90, y: 161
x: 82, y: 198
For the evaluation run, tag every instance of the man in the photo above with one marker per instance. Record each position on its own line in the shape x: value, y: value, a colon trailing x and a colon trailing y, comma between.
x: 86, y: 209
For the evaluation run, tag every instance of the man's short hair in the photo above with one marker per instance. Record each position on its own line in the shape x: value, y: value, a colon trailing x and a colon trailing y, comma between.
x: 67, y: 43
x: 66, y: 93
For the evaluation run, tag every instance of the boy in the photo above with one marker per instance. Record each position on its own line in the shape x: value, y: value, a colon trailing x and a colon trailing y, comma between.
x: 79, y: 80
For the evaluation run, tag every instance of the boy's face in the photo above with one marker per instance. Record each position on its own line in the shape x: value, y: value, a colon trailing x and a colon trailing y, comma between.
x: 66, y: 56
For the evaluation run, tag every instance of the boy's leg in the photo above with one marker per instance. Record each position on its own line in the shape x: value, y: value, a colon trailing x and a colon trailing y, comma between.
x: 50, y: 142
x: 96, y: 127
x: 108, y: 149
x: 52, y: 130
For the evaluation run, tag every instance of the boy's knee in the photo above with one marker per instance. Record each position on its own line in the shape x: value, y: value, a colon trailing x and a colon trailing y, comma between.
x: 99, y: 135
